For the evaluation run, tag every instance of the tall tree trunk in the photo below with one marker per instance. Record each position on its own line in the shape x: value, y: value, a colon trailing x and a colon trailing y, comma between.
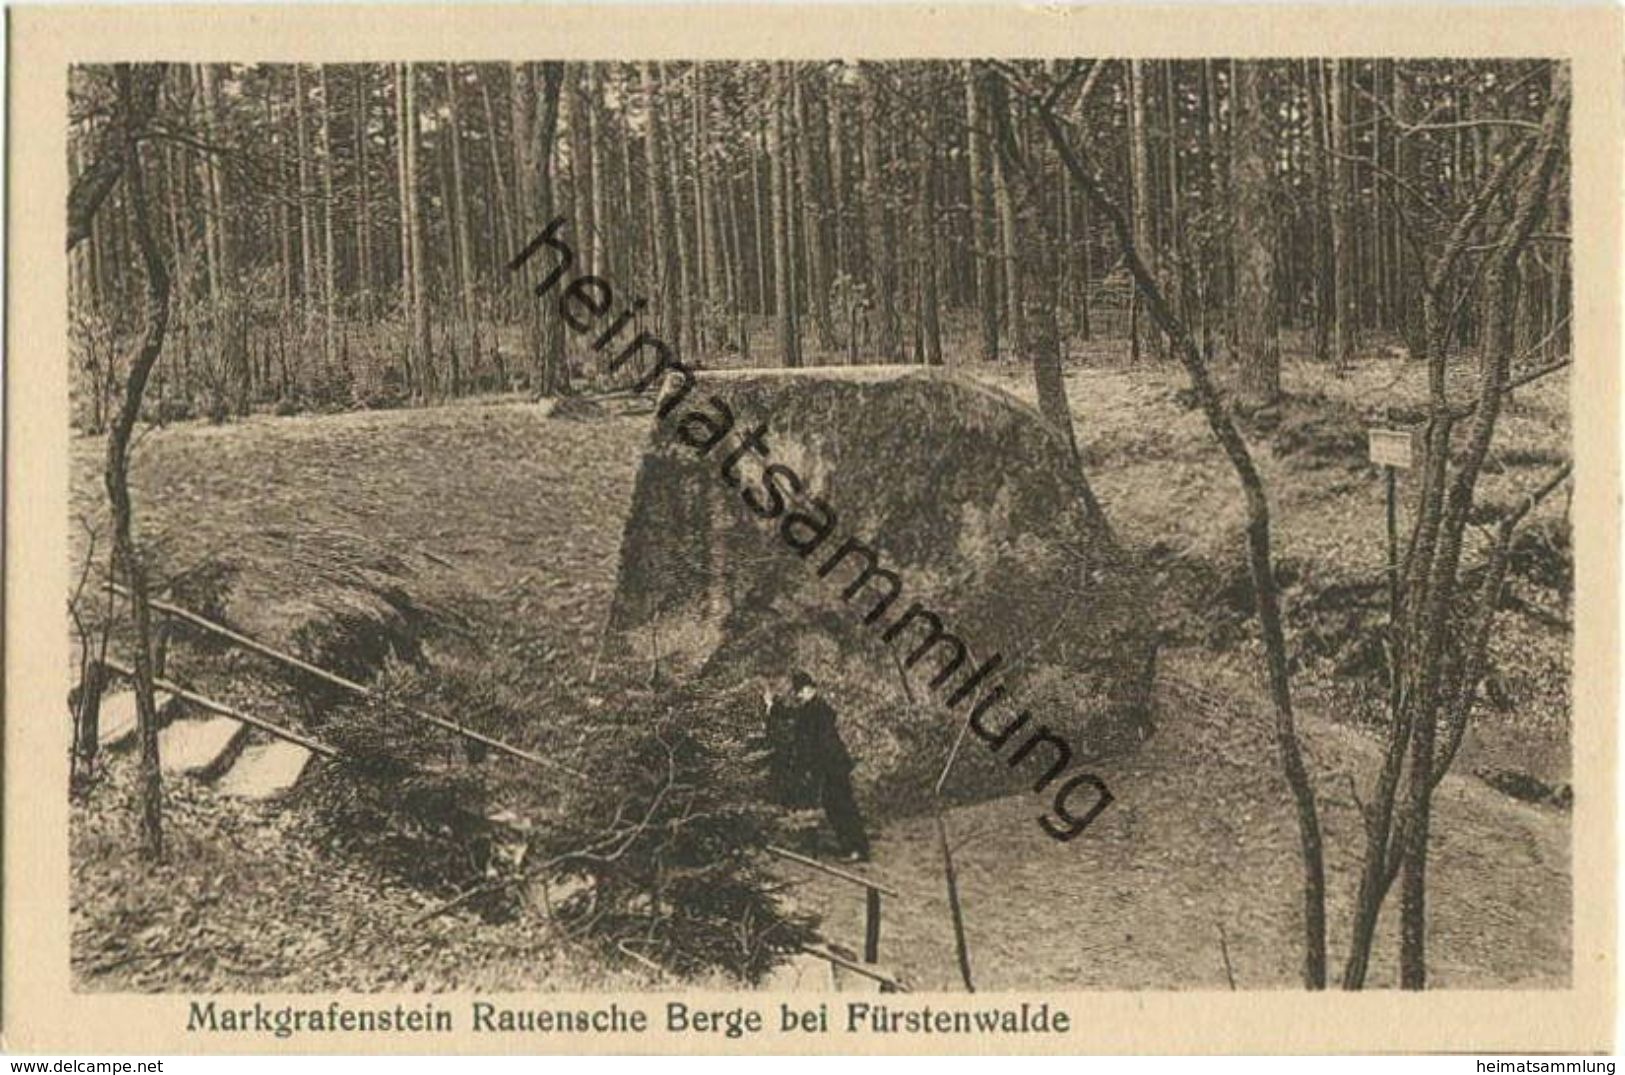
x: 713, y: 272
x: 1344, y: 315
x: 420, y: 270
x: 229, y: 334
x: 811, y: 183
x: 881, y: 237
x: 573, y: 197
x: 528, y: 217
x: 1010, y: 254
x: 1255, y: 356
x: 1215, y: 316
x: 1325, y: 266
x: 526, y: 220
x: 794, y: 247
x: 1178, y: 278
x: 981, y: 221
x: 707, y: 270
x: 758, y: 221
x: 1260, y: 565
x: 926, y: 254
x: 1039, y: 329
x: 508, y: 238
x: 1407, y: 271
x: 554, y: 372
x: 459, y: 203
x: 597, y: 163
x: 726, y: 264
x: 660, y: 217
x: 137, y: 98
x: 688, y: 317
x: 329, y: 250
x: 575, y: 104
x: 783, y: 299
x: 1377, y: 278
x: 307, y: 232
x: 1140, y: 172
x: 208, y: 179
x: 413, y: 359
x: 363, y: 238
x: 738, y: 259
x: 627, y: 234
x: 839, y: 217
x: 284, y: 229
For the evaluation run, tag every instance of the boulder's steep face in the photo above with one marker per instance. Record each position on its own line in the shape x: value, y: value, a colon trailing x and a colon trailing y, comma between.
x: 905, y: 495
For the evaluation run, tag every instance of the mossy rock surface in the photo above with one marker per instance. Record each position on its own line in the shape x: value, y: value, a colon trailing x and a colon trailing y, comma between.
x: 962, y: 490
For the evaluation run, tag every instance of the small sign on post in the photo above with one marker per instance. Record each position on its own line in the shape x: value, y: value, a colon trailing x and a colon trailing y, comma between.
x: 1392, y: 447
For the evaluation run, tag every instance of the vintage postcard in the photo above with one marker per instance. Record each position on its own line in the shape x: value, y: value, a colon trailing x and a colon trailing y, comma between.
x: 828, y: 529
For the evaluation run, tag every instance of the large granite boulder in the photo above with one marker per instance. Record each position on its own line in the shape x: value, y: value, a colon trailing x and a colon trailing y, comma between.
x: 964, y: 494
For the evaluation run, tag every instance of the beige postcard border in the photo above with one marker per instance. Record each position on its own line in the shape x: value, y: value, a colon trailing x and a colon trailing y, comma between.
x: 41, y: 1012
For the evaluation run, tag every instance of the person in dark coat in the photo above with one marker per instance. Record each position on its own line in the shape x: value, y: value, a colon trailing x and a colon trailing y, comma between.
x: 813, y: 763
x: 789, y: 780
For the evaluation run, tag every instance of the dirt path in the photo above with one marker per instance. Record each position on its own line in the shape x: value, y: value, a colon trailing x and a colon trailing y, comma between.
x: 527, y: 513
x: 1201, y: 837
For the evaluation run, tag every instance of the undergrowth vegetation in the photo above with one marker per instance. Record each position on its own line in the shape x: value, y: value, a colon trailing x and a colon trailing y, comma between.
x: 462, y: 559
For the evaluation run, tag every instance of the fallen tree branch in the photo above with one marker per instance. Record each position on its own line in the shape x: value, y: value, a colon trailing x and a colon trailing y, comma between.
x: 587, y: 854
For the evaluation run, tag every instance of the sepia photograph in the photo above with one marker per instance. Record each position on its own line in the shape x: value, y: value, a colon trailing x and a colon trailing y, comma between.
x: 1099, y: 529
x: 827, y: 525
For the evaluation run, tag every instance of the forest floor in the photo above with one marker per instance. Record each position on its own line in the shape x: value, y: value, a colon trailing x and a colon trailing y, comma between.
x: 1195, y: 865
x: 1172, y: 497
x: 1140, y: 901
x: 513, y: 518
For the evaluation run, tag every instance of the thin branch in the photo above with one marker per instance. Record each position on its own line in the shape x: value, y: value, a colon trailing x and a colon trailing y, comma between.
x: 1538, y: 237
x: 1476, y: 661
x: 161, y: 132
x: 951, y: 877
x: 591, y: 853
x: 1456, y: 244
x: 1381, y: 105
x: 1056, y: 100
x: 1224, y: 950
x: 1563, y: 363
x: 1408, y: 129
x: 1260, y: 564
x: 1393, y: 177
x: 113, y: 147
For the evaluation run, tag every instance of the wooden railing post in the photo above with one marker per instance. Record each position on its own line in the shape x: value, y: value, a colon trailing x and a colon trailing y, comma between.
x: 871, y: 927
x: 872, y: 893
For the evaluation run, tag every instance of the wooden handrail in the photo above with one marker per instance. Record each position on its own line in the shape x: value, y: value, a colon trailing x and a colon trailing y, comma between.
x: 872, y: 973
x: 833, y: 871
x: 359, y: 689
x: 223, y: 709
